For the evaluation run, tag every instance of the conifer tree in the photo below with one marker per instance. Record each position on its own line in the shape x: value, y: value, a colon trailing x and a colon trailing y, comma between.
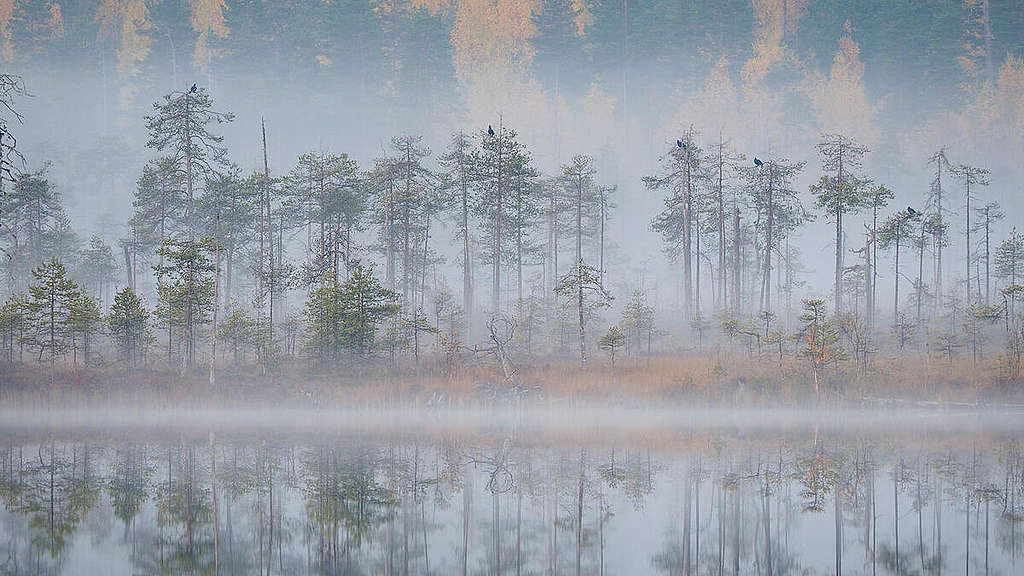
x: 128, y: 326
x: 840, y: 192
x: 52, y: 297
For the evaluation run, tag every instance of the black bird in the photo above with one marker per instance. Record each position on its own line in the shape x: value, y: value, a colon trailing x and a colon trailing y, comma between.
x: 757, y: 161
x: 911, y: 211
x: 193, y: 89
x: 679, y: 144
x: 490, y: 130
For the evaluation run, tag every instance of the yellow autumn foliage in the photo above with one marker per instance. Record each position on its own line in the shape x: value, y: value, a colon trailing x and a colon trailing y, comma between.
x: 208, y: 20
x: 492, y: 53
x: 840, y: 100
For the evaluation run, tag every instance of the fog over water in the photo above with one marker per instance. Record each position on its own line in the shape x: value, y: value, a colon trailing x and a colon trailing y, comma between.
x: 495, y: 287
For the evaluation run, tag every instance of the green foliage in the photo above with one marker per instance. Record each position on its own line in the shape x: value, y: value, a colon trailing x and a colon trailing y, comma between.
x: 52, y: 298
x: 185, y: 290
x: 818, y: 338
x: 128, y: 326
x: 238, y: 331
x: 14, y: 324
x: 84, y: 322
x: 326, y: 193
x: 612, y: 340
x: 179, y: 127
x: 345, y: 316
x: 97, y: 266
x: 159, y: 195
x: 35, y: 225
x: 1009, y: 258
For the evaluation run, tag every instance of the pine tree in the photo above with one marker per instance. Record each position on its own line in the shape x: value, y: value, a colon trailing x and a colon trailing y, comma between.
x: 937, y: 224
x: 326, y: 195
x: 971, y: 176
x: 411, y: 196
x: 840, y: 192
x: 819, y: 339
x: 227, y: 215
x: 52, y: 298
x: 878, y: 197
x: 896, y: 232
x: 494, y: 165
x: 458, y: 176
x: 179, y: 127
x: 681, y: 174
x: 987, y: 214
x: 30, y: 213
x: 98, y: 268
x: 611, y: 341
x: 1009, y: 259
x: 186, y: 293
x: 776, y: 203
x: 128, y: 326
x: 84, y: 322
x: 638, y: 320
x: 159, y: 194
x: 581, y: 289
x: 365, y: 303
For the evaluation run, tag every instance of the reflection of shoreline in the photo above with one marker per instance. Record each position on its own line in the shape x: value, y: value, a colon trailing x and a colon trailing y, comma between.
x: 189, y: 503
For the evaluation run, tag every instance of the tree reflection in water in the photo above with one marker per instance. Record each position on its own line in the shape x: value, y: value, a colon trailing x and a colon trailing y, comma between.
x: 511, y: 504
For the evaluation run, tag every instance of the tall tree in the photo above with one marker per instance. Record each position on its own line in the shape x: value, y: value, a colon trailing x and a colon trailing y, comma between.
x: 724, y: 158
x: 414, y: 180
x: 938, y: 223
x: 32, y: 215
x: 326, y: 195
x: 180, y: 128
x: 896, y: 232
x: 498, y: 152
x: 840, y: 191
x: 159, y: 194
x: 971, y: 176
x: 988, y: 214
x: 878, y: 197
x: 458, y: 175
x: 186, y: 292
x: 228, y: 214
x: 523, y: 211
x: 679, y: 175
x: 1009, y: 258
x: 776, y: 203
x: 98, y: 268
x: 578, y: 178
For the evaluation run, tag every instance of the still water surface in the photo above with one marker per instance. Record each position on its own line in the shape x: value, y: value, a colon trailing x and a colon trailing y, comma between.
x: 518, y: 499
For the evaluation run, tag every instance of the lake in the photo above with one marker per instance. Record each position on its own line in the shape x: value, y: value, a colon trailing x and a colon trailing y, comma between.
x: 563, y: 492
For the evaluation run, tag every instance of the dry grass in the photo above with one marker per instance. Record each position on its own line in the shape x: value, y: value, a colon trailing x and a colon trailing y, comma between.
x: 708, y: 377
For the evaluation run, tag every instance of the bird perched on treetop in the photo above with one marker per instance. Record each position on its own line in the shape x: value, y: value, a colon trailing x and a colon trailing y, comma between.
x: 757, y: 161
x: 193, y: 89
x: 490, y: 130
x: 911, y: 211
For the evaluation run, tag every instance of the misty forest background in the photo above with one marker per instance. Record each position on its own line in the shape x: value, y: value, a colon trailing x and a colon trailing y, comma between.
x: 790, y: 196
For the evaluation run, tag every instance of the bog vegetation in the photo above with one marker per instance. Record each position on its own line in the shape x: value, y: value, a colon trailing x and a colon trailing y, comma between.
x: 328, y: 271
